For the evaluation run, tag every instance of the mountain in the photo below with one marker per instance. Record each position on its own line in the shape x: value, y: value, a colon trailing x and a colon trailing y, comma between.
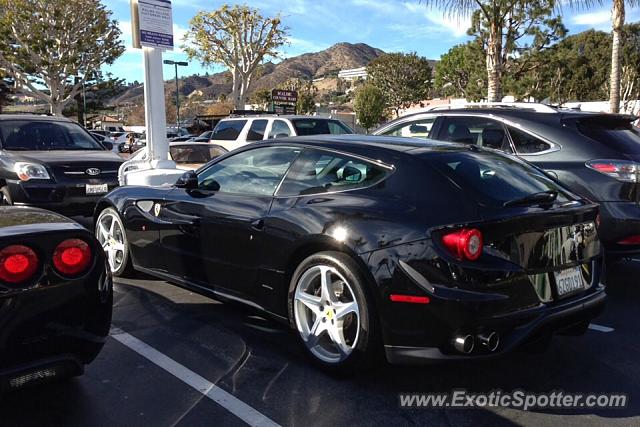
x: 307, y: 66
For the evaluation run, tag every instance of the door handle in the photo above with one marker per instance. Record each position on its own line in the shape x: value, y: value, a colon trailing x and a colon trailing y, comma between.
x: 258, y: 224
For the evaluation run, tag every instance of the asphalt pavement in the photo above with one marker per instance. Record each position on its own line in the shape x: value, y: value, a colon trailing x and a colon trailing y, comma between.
x: 178, y: 358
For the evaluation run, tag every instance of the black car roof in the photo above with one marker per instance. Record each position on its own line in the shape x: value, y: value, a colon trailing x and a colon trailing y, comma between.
x: 34, y: 117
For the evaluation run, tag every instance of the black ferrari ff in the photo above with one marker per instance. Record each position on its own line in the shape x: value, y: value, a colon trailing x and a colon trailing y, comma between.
x: 445, y: 251
x: 55, y: 297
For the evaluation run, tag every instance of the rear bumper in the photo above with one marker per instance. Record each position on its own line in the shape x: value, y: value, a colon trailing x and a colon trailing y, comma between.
x: 619, y: 220
x: 66, y: 198
x: 520, y: 328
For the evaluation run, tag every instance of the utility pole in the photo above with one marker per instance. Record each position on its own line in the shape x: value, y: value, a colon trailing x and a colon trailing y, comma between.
x: 176, y: 64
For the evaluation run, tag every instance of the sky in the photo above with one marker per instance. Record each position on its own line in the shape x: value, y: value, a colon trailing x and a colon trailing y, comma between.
x: 314, y: 25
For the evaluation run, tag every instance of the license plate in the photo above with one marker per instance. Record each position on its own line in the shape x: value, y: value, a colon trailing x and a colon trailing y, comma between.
x: 568, y: 281
x: 96, y: 188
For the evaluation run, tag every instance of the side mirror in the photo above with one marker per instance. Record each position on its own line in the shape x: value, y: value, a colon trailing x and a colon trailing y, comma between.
x: 281, y: 135
x: 108, y: 145
x: 188, y: 181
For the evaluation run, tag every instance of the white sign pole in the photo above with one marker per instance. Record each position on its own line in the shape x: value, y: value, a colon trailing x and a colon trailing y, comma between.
x: 154, y: 109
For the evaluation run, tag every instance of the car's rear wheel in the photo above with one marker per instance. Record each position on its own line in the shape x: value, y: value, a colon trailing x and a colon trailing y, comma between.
x: 111, y: 235
x: 332, y: 313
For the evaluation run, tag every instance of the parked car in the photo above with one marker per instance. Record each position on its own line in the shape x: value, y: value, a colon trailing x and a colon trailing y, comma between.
x: 56, y: 297
x: 359, y: 243
x: 53, y: 163
x: 187, y: 155
x: 234, y: 132
x: 596, y: 155
x: 107, y: 142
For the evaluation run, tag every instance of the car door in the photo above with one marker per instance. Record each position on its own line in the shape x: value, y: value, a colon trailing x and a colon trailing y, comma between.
x: 483, y: 131
x: 216, y: 234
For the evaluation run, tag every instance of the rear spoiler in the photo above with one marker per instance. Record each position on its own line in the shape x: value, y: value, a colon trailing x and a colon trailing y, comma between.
x: 604, y: 118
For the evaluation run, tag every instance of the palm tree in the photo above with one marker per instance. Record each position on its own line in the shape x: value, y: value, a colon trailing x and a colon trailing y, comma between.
x: 494, y: 12
x: 617, y: 21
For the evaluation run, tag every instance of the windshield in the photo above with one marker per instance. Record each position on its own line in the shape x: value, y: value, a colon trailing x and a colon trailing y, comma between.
x: 320, y: 127
x: 31, y: 135
x: 494, y: 179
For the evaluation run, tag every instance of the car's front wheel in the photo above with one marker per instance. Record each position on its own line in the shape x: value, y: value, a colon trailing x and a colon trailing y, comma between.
x: 332, y: 312
x: 111, y: 235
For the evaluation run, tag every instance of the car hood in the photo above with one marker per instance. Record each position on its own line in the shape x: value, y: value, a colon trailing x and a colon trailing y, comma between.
x: 62, y: 156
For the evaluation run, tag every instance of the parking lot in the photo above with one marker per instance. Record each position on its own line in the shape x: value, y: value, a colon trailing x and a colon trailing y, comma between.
x: 165, y: 341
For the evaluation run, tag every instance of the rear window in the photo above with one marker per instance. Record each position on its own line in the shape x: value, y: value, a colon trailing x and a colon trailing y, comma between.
x: 195, y: 153
x: 25, y: 135
x: 493, y: 179
x: 619, y: 135
x: 228, y: 130
x: 320, y: 127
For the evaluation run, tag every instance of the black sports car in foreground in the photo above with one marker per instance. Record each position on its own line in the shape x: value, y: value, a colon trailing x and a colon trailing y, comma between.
x: 445, y: 251
x: 55, y: 297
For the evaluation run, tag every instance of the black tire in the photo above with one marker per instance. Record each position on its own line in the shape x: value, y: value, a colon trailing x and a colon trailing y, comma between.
x: 125, y: 269
x: 5, y: 197
x: 367, y: 349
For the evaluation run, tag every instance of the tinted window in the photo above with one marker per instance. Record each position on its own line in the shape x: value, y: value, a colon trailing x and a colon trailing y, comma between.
x: 317, y: 171
x: 279, y: 129
x: 195, y: 153
x: 256, y: 131
x: 619, y: 135
x: 526, y: 143
x: 228, y: 130
x: 415, y: 129
x: 23, y: 135
x: 475, y: 130
x: 256, y: 171
x: 491, y: 178
x: 319, y: 127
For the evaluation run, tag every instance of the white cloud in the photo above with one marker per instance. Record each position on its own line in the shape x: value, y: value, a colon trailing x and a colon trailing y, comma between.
x: 378, y: 6
x: 592, y: 18
x: 457, y: 26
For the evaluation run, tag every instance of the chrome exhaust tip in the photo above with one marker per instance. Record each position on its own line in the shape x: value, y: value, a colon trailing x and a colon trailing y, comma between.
x: 490, y: 340
x: 464, y: 343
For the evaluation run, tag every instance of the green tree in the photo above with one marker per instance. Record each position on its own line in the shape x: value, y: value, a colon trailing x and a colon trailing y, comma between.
x: 369, y: 105
x: 405, y: 79
x: 505, y: 27
x: 5, y: 90
x: 50, y: 48
x: 261, y: 97
x: 238, y: 37
x: 461, y: 72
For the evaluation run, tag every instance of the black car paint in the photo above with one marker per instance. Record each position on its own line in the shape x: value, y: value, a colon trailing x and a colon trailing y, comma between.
x: 52, y: 320
x: 247, y: 249
x: 65, y: 191
x: 619, y: 202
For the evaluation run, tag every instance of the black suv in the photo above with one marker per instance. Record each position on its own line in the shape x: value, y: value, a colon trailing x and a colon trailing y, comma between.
x: 596, y: 155
x: 53, y: 163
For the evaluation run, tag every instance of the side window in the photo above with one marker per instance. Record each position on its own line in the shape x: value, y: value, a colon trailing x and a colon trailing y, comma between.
x: 475, y: 130
x: 228, y: 130
x: 252, y: 172
x: 526, y: 143
x: 279, y: 129
x: 416, y: 129
x: 257, y: 129
x: 318, y: 171
x: 338, y: 128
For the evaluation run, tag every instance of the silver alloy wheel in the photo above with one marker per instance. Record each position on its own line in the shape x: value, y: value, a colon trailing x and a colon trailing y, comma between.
x: 326, y: 313
x: 110, y: 234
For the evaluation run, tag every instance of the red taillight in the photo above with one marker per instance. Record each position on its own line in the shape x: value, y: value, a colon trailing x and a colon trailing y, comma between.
x: 409, y: 298
x: 18, y: 264
x: 630, y: 240
x: 72, y: 257
x: 622, y: 170
x: 464, y: 244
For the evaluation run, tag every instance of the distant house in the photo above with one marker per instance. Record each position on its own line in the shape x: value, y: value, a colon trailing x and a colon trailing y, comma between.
x: 105, y: 122
x: 353, y: 74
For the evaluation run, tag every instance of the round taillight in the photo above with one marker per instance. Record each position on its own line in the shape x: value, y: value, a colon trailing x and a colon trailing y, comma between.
x: 72, y: 257
x: 464, y: 244
x: 18, y: 264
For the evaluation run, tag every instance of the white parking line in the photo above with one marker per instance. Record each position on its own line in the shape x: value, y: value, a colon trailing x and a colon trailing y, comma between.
x: 228, y: 401
x: 600, y: 328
